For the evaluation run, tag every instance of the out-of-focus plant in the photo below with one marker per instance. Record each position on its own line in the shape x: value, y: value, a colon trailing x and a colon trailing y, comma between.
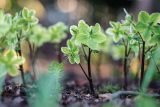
x: 146, y: 102
x: 15, y: 30
x: 146, y: 28
x: 9, y: 64
x: 9, y: 61
x: 122, y: 33
x: 58, y: 33
x: 37, y: 36
x: 5, y: 23
x: 84, y: 36
x: 22, y: 23
x: 150, y: 70
x: 48, y: 87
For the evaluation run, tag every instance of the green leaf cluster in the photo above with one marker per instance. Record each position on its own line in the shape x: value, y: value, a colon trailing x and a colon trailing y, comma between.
x: 9, y: 61
x: 147, y: 24
x: 38, y: 35
x: 72, y: 52
x: 132, y: 33
x: 57, y: 32
x: 84, y: 35
x: 90, y: 36
x: 5, y: 23
x: 25, y: 19
x: 14, y: 28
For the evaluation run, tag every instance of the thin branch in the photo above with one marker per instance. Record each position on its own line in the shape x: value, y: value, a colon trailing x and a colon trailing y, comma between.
x: 84, y: 71
x: 151, y: 47
x: 140, y: 36
x: 85, y: 55
x: 21, y: 66
x: 32, y: 59
x: 137, y: 31
x: 129, y: 51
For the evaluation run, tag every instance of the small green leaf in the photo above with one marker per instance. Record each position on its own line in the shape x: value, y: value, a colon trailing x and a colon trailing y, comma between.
x: 74, y: 30
x: 77, y: 59
x: 143, y: 17
x: 83, y: 27
x: 155, y: 17
x: 72, y: 52
x: 65, y: 50
x: 25, y: 12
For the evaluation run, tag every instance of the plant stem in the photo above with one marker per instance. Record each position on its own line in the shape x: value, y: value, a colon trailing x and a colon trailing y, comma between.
x: 98, y: 66
x: 32, y: 57
x: 92, y: 91
x: 85, y: 55
x: 142, y: 62
x: 84, y: 72
x: 59, y: 58
x: 21, y: 66
x: 125, y: 67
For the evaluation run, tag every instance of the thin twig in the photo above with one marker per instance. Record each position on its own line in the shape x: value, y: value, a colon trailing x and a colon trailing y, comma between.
x: 85, y: 55
x: 137, y: 31
x: 84, y: 71
x: 21, y: 66
x: 129, y: 51
x: 151, y: 47
x: 32, y: 58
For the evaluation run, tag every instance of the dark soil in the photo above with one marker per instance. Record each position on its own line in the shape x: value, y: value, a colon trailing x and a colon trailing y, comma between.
x: 74, y: 94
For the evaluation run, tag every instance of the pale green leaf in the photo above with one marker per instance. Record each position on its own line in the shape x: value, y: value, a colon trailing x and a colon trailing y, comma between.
x: 143, y: 17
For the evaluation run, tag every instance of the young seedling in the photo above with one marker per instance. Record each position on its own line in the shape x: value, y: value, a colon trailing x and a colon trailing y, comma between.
x: 122, y: 34
x: 37, y: 36
x: 145, y: 27
x: 90, y: 37
x: 58, y: 33
x: 22, y: 22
